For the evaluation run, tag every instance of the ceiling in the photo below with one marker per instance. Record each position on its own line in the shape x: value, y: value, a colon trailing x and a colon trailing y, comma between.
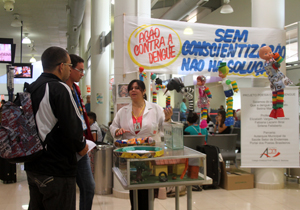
x: 47, y: 23
x: 44, y: 20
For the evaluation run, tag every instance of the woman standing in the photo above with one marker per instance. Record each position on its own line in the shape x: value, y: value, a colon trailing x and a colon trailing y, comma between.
x: 220, y: 127
x: 140, y: 119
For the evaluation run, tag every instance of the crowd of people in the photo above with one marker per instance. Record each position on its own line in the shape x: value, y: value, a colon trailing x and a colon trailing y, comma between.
x: 192, y: 122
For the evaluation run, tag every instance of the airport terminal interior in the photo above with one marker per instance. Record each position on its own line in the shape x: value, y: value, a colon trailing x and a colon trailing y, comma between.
x: 95, y: 33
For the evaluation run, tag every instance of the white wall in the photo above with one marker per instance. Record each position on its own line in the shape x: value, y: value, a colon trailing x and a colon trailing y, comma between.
x: 294, y: 75
x: 218, y: 97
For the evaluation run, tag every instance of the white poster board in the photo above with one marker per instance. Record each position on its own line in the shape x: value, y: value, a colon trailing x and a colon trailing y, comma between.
x: 267, y: 142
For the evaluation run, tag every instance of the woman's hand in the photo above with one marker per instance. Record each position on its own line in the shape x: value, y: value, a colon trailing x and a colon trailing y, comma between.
x: 120, y: 131
x: 168, y: 113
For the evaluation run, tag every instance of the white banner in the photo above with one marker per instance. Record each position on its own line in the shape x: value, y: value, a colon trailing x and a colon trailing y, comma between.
x: 267, y: 142
x: 176, y: 47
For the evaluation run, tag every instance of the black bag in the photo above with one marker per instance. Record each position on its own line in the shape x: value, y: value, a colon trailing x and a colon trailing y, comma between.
x: 213, y: 165
x: 7, y: 171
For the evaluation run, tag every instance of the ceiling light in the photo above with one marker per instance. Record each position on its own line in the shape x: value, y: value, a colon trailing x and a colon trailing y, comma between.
x: 226, y: 8
x: 25, y: 206
x: 32, y: 59
x: 188, y: 31
x: 16, y: 22
x: 193, y: 19
x: 113, y: 2
x: 26, y: 40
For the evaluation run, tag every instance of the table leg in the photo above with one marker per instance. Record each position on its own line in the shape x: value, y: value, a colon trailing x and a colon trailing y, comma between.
x: 189, y: 197
x: 135, y: 199
x: 177, y: 198
x: 151, y: 199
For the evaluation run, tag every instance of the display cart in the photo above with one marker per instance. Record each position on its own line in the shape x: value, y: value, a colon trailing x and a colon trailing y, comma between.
x: 146, y: 173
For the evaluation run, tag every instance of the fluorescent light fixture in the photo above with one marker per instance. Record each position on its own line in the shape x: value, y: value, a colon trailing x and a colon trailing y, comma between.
x: 188, y: 31
x: 32, y: 60
x: 226, y: 8
x: 25, y: 207
x: 193, y: 19
x: 16, y: 22
x: 26, y: 40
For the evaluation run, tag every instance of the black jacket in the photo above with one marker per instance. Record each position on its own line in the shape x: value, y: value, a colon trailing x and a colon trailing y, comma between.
x: 59, y: 125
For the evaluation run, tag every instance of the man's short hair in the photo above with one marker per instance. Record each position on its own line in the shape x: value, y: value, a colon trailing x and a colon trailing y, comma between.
x: 92, y: 115
x: 52, y: 57
x: 75, y: 59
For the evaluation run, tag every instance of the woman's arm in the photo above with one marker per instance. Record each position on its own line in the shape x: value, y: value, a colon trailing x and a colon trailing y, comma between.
x: 115, y: 127
x: 222, y: 128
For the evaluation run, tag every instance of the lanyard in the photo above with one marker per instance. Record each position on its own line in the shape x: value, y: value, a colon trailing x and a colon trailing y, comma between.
x: 137, y: 125
x: 78, y: 100
x: 195, y: 129
x: 139, y: 113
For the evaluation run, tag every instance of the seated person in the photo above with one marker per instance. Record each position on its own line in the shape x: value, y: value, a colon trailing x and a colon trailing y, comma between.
x: 221, y: 128
x: 95, y: 129
x: 193, y: 128
x: 237, y: 123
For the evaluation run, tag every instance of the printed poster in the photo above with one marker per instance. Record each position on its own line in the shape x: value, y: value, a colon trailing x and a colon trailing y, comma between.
x: 267, y: 142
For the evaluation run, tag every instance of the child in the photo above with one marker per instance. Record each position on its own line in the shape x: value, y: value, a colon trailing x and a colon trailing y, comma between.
x: 95, y: 129
x: 193, y: 128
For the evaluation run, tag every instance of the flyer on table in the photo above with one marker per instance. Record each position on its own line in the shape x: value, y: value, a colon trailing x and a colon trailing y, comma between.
x: 267, y: 142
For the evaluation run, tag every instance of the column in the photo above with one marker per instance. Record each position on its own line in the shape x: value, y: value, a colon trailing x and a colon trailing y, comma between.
x: 268, y: 14
x: 84, y: 40
x: 100, y: 22
x: 140, y: 8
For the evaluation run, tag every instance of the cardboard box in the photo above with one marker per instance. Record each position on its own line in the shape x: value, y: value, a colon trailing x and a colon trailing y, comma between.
x: 236, y: 179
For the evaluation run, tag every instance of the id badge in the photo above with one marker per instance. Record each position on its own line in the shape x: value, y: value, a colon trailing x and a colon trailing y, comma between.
x: 84, y: 127
x: 137, y: 126
x: 154, y: 128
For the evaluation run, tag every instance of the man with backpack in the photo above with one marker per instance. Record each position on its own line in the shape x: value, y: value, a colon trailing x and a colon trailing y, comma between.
x: 52, y: 177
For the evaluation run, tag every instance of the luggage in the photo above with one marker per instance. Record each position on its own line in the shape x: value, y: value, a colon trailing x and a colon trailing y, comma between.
x: 213, y: 165
x: 7, y: 171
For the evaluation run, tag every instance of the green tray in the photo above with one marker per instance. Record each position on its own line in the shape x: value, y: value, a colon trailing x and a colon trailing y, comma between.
x: 124, y: 152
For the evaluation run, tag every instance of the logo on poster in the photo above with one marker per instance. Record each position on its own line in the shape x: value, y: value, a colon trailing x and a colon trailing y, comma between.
x: 154, y: 46
x: 270, y: 152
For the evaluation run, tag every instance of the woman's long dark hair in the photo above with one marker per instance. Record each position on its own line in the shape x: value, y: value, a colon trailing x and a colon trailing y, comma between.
x: 223, y: 114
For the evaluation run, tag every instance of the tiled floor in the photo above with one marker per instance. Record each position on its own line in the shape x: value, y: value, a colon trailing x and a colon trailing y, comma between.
x: 14, y: 196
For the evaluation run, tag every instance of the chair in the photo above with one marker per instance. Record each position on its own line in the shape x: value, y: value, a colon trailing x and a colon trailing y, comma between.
x: 238, y: 140
x: 192, y: 141
x: 226, y: 144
